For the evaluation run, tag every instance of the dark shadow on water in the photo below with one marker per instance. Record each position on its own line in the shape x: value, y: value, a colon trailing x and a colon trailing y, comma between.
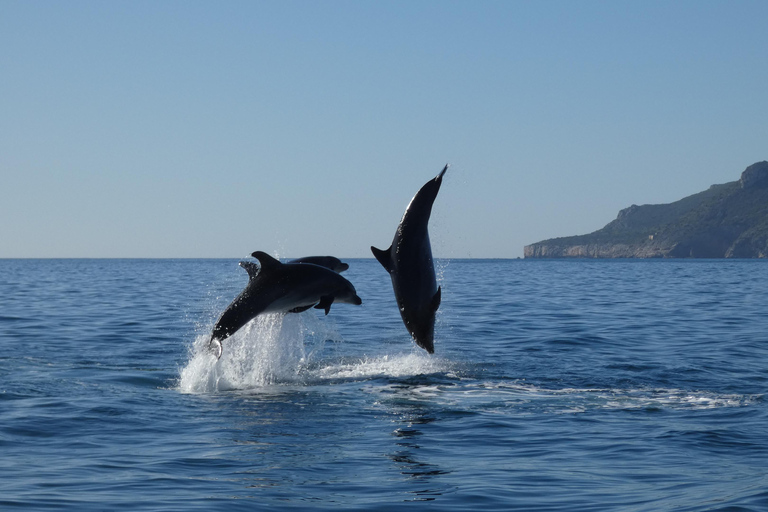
x: 409, y: 457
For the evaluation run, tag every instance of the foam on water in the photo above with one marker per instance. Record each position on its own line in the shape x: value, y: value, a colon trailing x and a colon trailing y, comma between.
x: 393, y: 366
x: 281, y: 349
x: 523, y: 398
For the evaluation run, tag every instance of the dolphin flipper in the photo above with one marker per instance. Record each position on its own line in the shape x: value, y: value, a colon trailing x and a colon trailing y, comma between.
x: 436, y: 299
x: 325, y: 303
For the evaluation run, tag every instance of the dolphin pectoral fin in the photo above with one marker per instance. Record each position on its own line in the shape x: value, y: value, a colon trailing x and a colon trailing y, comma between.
x: 436, y: 299
x: 250, y: 267
x: 300, y: 309
x: 325, y: 303
x: 384, y: 257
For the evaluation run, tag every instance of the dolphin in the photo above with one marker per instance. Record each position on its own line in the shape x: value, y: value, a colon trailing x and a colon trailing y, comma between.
x: 275, y: 287
x: 330, y: 262
x: 409, y: 263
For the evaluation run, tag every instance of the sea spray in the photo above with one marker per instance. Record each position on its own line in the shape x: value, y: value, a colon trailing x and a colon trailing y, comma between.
x: 415, y: 362
x: 278, y: 349
x: 271, y: 349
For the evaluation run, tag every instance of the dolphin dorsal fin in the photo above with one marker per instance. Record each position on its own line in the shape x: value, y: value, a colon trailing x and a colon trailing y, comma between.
x: 266, y: 261
x: 384, y: 257
x: 250, y: 267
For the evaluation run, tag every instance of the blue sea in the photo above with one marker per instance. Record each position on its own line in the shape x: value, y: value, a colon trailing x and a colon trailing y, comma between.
x: 587, y: 385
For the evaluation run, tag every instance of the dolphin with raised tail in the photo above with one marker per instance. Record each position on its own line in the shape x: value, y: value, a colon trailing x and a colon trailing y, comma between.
x: 275, y: 287
x: 409, y: 263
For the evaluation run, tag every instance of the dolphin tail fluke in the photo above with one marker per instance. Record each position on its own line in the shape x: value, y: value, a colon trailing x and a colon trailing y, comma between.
x: 384, y: 257
x: 325, y: 303
x: 216, y: 347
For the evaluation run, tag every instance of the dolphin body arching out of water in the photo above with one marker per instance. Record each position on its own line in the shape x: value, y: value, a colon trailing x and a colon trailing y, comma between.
x: 330, y: 262
x: 409, y: 263
x: 275, y: 287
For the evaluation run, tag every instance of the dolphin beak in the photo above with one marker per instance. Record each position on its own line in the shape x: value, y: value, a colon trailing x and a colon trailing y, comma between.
x: 440, y: 176
x: 357, y: 300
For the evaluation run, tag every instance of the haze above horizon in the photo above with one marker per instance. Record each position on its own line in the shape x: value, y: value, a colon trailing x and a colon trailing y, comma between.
x: 196, y: 129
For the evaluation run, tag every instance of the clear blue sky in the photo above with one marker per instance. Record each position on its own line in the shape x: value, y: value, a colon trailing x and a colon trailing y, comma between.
x: 213, y: 129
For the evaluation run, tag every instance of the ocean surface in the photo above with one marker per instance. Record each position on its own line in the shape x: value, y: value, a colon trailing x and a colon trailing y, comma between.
x: 555, y: 385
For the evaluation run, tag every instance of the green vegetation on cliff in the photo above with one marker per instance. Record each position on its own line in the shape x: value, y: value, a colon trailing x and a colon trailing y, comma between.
x: 725, y: 221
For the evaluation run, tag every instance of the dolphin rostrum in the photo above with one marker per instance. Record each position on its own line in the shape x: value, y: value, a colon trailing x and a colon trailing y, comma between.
x: 330, y: 262
x: 409, y: 263
x: 275, y: 287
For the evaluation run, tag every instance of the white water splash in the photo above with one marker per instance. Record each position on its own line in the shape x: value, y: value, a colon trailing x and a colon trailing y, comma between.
x: 393, y: 366
x: 268, y: 350
x: 281, y: 349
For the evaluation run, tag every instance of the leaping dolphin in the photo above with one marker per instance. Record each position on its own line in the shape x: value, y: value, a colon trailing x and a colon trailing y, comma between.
x: 278, y: 287
x: 409, y: 263
x: 330, y: 262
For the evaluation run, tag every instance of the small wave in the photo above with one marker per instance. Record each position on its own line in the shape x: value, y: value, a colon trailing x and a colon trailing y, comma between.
x: 523, y: 398
x: 641, y: 399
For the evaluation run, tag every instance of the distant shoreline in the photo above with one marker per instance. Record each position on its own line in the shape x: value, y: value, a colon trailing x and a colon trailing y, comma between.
x: 724, y: 222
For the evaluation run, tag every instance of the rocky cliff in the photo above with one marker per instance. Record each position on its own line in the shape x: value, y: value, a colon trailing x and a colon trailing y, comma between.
x: 725, y: 221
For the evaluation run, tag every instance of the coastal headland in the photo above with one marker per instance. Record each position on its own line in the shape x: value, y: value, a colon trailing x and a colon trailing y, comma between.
x: 724, y: 221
